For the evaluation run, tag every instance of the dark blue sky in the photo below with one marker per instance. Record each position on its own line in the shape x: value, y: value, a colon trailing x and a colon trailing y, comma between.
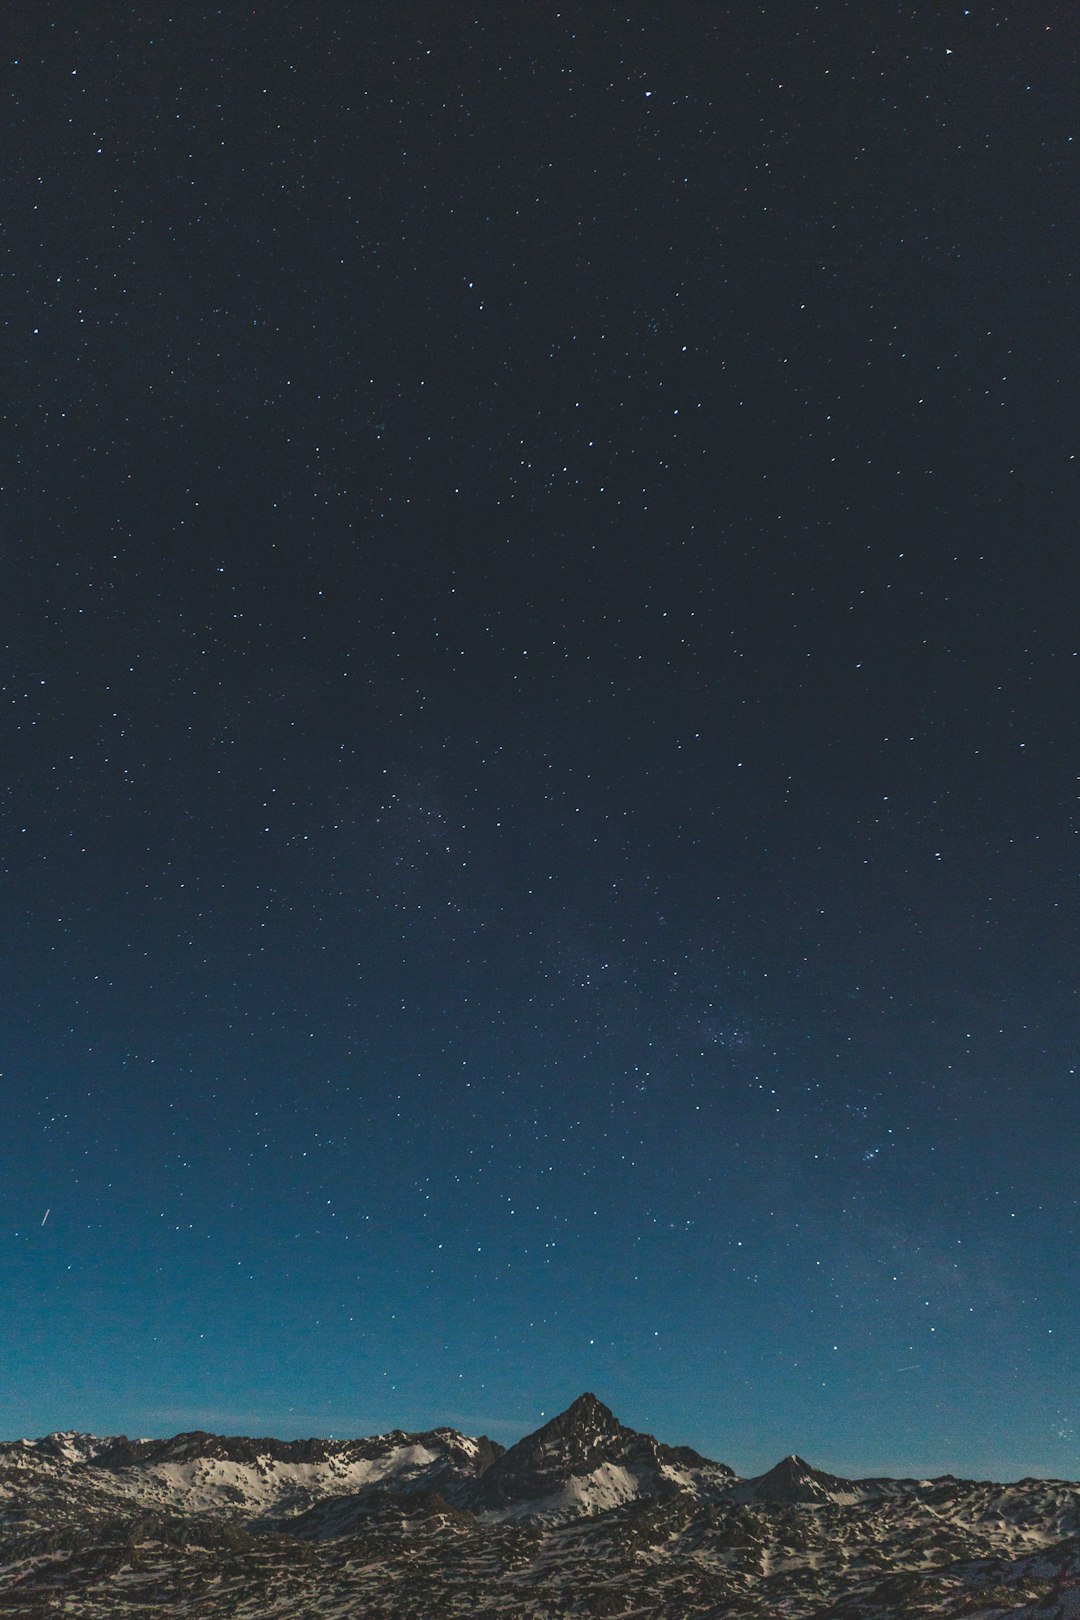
x: 539, y: 838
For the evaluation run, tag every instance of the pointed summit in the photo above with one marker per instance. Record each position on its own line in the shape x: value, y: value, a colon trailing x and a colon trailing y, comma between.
x: 792, y: 1480
x: 586, y: 1460
x: 586, y: 1403
x: 574, y: 1443
x: 792, y: 1467
x: 585, y: 1415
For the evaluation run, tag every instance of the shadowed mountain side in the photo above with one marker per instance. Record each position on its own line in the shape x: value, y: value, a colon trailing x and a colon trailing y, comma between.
x: 794, y: 1480
x: 587, y: 1442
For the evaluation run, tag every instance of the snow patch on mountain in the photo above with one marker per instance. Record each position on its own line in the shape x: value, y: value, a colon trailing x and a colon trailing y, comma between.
x: 584, y: 1515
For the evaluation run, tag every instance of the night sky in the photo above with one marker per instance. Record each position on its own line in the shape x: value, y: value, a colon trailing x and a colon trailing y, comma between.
x: 541, y: 723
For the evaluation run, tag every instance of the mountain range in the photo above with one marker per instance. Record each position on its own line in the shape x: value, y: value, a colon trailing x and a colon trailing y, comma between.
x: 582, y: 1517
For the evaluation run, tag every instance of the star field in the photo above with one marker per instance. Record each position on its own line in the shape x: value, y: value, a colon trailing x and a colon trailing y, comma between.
x: 540, y: 720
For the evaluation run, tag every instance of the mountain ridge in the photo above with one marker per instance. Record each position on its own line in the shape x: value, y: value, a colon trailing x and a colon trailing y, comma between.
x: 583, y: 1515
x: 585, y: 1414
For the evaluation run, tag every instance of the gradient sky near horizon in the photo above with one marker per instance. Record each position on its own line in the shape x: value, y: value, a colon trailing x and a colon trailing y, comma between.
x: 540, y: 718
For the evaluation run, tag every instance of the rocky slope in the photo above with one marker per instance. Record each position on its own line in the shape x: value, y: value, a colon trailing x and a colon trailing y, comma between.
x: 584, y: 1517
x: 585, y: 1460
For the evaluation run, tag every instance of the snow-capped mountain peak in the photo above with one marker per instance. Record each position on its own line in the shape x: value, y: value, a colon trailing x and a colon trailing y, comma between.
x: 583, y: 1515
x: 793, y: 1479
x: 585, y: 1460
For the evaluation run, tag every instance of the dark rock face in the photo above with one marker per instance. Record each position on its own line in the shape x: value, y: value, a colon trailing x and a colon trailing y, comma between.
x: 338, y: 1516
x: 572, y: 1445
x: 577, y: 1441
x: 792, y: 1480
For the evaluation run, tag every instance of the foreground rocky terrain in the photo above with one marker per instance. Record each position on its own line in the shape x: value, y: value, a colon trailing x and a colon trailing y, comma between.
x: 584, y: 1517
